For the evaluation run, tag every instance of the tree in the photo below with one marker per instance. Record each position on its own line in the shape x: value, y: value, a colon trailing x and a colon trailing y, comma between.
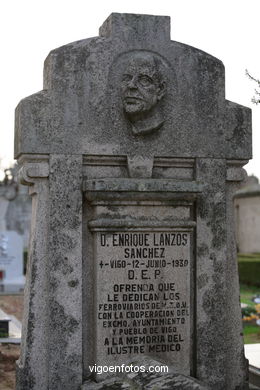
x: 255, y: 99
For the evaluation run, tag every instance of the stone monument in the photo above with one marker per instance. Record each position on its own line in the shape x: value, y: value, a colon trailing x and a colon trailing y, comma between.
x: 132, y: 155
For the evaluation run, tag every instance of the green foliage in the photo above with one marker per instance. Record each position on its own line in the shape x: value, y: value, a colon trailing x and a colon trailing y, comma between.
x: 249, y: 269
x: 247, y: 311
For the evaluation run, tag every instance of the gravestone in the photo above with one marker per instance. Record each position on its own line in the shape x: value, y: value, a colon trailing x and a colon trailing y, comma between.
x: 15, y: 206
x: 132, y: 155
x: 11, y: 262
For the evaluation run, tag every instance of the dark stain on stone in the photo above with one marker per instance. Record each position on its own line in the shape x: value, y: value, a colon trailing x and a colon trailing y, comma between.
x: 61, y: 263
x: 74, y: 360
x: 61, y: 241
x: 24, y: 378
x: 64, y: 378
x: 60, y: 321
x: 213, y: 303
x: 218, y: 271
x: 211, y: 354
x: 53, y: 283
x: 73, y: 283
x: 31, y: 315
x: 219, y: 236
x: 67, y: 269
x: 61, y: 327
x: 202, y: 210
x: 212, y: 256
x: 202, y: 250
x: 217, y: 225
x: 202, y: 281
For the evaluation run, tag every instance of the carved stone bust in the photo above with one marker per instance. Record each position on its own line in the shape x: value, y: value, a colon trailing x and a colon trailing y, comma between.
x: 143, y: 86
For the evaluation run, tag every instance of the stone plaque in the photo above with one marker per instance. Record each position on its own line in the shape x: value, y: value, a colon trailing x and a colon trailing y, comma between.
x: 143, y: 299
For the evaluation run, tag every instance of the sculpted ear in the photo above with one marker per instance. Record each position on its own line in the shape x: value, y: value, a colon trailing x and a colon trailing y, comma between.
x: 161, y: 90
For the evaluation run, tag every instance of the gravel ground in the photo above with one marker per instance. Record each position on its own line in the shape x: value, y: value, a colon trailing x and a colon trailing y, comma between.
x: 9, y: 353
x: 12, y: 304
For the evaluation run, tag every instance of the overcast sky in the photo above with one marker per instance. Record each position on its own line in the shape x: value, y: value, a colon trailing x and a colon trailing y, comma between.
x: 228, y: 30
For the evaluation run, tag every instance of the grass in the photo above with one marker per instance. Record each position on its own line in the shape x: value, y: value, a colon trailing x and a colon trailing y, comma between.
x: 251, y: 329
x: 251, y: 334
x: 248, y: 256
x: 249, y: 268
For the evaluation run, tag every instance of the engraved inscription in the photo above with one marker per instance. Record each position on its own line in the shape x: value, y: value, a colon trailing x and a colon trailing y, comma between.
x: 143, y: 300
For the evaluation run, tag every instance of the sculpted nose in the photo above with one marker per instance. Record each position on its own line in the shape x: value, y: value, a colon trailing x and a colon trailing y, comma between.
x: 132, y: 83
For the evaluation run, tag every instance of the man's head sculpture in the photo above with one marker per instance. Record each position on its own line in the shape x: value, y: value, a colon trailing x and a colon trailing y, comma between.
x: 143, y: 87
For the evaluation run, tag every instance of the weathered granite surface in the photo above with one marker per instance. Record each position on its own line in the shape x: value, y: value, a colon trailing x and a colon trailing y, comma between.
x: 132, y: 155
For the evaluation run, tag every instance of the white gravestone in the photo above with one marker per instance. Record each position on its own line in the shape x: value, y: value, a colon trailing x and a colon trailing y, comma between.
x: 11, y: 262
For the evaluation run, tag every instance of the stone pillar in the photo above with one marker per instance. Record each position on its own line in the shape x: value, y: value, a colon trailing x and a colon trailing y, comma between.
x: 32, y: 367
x: 52, y: 325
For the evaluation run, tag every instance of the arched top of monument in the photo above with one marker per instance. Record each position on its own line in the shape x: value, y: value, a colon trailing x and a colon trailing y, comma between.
x: 131, y: 31
x: 198, y: 52
x: 150, y: 27
x: 133, y: 88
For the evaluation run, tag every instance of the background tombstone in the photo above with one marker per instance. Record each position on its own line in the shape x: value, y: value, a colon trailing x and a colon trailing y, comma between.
x: 15, y: 208
x: 247, y: 216
x: 139, y: 125
x: 11, y: 262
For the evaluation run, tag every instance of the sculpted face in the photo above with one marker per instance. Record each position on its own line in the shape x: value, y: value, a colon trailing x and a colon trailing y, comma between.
x: 141, y: 86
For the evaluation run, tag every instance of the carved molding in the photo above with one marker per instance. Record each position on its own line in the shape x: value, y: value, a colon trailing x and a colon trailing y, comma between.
x: 30, y: 172
x: 142, y: 189
x: 33, y: 169
x: 235, y: 171
x: 110, y: 160
x: 104, y: 224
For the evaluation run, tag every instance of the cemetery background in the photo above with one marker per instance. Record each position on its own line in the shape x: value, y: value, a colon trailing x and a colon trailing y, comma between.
x: 247, y: 216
